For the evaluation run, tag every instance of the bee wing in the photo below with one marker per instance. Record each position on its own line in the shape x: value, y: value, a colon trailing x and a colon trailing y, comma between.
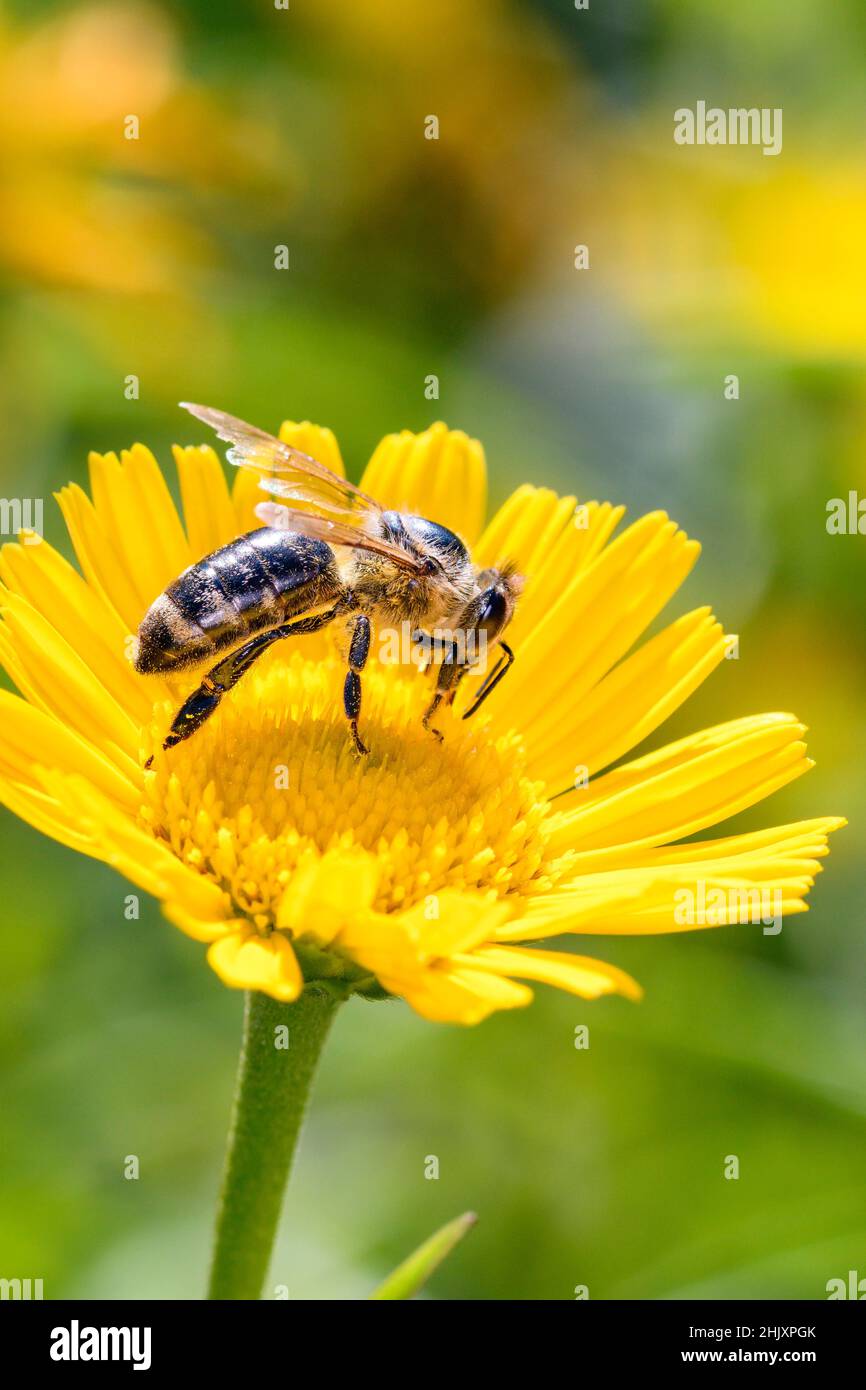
x: 303, y: 479
x: 322, y: 528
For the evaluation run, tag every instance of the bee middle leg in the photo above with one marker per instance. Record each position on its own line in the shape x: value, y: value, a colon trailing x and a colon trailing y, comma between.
x: 200, y: 705
x: 451, y: 672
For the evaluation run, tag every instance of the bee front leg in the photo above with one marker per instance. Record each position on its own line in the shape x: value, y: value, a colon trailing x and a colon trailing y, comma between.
x: 492, y: 679
x: 359, y: 650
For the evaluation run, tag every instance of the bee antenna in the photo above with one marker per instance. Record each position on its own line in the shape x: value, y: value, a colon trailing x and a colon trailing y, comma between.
x: 508, y: 572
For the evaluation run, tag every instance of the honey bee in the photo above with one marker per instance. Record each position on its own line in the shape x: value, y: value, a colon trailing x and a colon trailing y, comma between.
x: 346, y: 558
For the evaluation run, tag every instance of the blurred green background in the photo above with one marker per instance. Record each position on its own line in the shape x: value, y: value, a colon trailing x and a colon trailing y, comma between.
x: 409, y: 257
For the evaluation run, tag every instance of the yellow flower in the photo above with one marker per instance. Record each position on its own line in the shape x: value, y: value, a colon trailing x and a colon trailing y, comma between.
x: 426, y: 870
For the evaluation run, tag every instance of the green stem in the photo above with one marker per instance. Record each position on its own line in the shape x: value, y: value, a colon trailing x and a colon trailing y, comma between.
x: 273, y: 1084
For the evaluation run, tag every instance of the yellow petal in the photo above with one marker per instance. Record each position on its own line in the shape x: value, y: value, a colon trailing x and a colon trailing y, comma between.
x: 686, y: 786
x: 46, y: 815
x: 453, y: 921
x: 629, y: 703
x: 265, y: 963
x: 123, y: 844
x: 208, y: 510
x: 32, y: 738
x: 596, y: 620
x: 317, y: 441
x: 750, y: 877
x: 525, y: 528
x: 327, y: 891
x: 135, y: 508
x: 100, y: 559
x: 657, y: 906
x: 201, y: 928
x: 66, y: 687
x: 799, y: 844
x: 412, y: 953
x: 458, y: 994
x: 551, y: 543
x: 553, y: 557
x: 577, y: 974
x: 60, y: 595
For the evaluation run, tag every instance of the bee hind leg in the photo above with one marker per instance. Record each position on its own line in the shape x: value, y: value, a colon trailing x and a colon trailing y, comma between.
x: 451, y: 672
x: 198, y: 707
x: 359, y: 650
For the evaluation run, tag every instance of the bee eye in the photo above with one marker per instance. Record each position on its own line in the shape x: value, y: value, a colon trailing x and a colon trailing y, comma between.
x: 432, y: 566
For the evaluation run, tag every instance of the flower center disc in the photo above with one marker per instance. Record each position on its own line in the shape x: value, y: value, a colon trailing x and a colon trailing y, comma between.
x: 273, y: 776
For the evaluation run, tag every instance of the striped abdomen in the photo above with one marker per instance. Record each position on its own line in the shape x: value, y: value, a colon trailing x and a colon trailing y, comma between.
x: 254, y: 583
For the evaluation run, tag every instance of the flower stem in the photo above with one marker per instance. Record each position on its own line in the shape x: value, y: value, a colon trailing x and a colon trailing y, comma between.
x: 275, y: 1072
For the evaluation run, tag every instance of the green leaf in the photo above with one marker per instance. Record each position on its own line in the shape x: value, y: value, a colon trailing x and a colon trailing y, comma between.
x: 413, y: 1273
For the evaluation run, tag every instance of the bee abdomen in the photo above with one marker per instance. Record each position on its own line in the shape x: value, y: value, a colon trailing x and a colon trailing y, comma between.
x: 253, y: 583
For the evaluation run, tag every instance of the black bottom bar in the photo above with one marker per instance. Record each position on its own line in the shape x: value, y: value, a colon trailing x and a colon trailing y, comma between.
x: 70, y: 1339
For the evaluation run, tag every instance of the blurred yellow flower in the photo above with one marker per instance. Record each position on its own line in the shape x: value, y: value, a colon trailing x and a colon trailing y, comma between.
x: 91, y: 199
x: 428, y: 871
x: 717, y: 244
